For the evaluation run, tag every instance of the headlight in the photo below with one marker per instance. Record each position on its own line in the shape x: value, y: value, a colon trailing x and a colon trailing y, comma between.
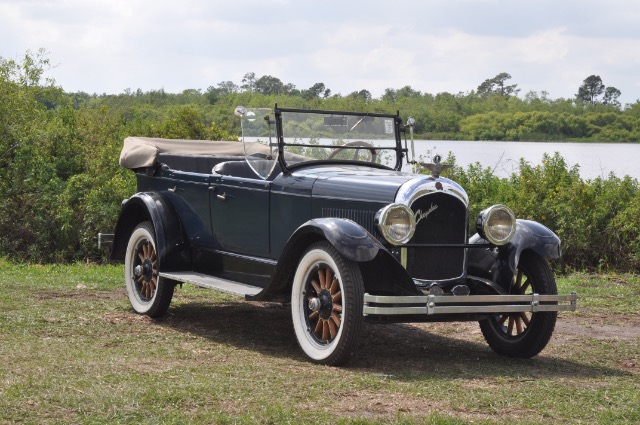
x: 396, y: 223
x: 497, y: 224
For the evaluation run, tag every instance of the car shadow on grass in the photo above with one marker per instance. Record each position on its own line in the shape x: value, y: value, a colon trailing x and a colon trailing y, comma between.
x: 402, y: 351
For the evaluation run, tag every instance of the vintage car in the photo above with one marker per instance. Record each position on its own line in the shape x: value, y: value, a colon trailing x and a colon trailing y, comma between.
x: 311, y: 208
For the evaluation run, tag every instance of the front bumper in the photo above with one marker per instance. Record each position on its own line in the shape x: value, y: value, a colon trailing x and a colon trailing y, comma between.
x: 382, y: 305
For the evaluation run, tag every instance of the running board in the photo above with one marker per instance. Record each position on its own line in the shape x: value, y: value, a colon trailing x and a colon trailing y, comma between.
x: 211, y: 282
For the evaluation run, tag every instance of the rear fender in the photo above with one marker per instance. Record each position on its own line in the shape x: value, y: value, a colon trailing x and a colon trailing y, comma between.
x: 171, y: 245
x: 500, y: 265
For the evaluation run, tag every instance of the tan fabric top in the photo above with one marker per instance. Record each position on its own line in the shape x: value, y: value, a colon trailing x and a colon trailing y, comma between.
x: 139, y: 152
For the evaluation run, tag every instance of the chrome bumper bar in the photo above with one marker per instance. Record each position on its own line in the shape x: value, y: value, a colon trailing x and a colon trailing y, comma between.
x: 105, y: 239
x: 464, y: 304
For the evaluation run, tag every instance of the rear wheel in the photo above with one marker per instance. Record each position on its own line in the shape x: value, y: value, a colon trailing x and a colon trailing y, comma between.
x: 148, y: 293
x: 326, y: 305
x: 524, y: 334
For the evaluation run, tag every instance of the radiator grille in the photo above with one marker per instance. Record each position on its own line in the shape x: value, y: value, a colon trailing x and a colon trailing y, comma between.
x: 442, y: 219
x: 363, y: 218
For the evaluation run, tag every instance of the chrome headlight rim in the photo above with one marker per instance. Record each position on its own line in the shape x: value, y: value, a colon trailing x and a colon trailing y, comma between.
x: 381, y: 218
x: 483, y: 224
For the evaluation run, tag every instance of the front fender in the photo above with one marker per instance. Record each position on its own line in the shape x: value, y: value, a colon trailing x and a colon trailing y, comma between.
x: 349, y: 238
x: 171, y: 244
x: 500, y: 266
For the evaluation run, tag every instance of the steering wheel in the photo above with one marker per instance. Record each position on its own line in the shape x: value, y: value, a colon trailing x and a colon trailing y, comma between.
x: 359, y: 143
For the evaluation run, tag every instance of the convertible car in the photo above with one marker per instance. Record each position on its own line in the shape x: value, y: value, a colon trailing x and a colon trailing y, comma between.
x: 311, y: 208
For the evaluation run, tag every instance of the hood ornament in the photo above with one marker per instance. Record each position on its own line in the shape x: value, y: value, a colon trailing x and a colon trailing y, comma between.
x: 435, y: 167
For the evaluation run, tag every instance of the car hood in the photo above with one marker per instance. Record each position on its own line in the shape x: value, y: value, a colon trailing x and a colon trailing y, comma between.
x: 356, y: 183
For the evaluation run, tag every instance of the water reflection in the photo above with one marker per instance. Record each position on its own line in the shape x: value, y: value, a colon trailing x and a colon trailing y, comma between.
x: 594, y: 159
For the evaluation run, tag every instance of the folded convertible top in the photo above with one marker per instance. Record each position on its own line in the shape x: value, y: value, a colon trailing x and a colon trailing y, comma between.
x: 139, y: 152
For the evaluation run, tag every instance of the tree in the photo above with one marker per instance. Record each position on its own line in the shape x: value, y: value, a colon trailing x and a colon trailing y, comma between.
x: 497, y: 85
x: 390, y: 95
x: 314, y: 91
x: 248, y: 81
x: 407, y: 91
x: 227, y: 87
x: 591, y: 88
x: 268, y: 84
x: 611, y: 95
x: 362, y: 94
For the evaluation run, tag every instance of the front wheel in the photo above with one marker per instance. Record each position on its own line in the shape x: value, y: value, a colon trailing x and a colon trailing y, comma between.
x: 326, y: 305
x: 148, y: 293
x: 524, y: 334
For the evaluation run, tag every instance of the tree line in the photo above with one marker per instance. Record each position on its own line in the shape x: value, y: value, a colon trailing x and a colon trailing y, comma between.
x: 60, y: 183
x: 494, y: 111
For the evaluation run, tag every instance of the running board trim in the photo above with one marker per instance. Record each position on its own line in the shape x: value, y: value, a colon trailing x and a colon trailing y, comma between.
x: 212, y: 282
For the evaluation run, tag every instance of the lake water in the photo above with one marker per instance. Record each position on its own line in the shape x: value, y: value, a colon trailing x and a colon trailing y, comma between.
x: 594, y: 159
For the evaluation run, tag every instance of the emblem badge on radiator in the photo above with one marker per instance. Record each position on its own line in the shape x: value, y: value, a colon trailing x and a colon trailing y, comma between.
x: 420, y: 215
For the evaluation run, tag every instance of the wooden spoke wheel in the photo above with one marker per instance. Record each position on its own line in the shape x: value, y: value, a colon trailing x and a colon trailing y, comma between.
x: 326, y: 304
x: 524, y: 334
x: 148, y: 293
x: 516, y: 324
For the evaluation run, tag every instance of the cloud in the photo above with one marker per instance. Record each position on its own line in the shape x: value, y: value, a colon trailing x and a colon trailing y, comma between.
x: 110, y: 45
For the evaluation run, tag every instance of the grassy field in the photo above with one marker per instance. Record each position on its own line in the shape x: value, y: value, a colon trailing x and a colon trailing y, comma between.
x: 72, y: 351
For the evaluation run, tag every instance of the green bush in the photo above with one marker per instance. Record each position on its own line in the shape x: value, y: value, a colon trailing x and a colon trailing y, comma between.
x: 60, y: 182
x: 597, y: 220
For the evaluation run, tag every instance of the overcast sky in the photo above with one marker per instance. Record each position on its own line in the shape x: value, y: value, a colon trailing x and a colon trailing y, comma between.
x: 107, y: 46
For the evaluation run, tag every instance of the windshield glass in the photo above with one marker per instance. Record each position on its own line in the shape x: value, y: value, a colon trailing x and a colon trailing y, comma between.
x: 259, y: 138
x: 339, y: 136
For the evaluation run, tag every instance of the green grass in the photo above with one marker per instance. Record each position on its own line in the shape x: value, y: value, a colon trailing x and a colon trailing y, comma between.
x: 72, y: 351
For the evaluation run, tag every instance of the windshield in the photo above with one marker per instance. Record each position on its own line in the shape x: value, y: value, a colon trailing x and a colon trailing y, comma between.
x: 339, y: 136
x: 259, y: 138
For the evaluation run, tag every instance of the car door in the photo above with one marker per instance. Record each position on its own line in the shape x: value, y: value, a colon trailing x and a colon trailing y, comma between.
x: 240, y: 214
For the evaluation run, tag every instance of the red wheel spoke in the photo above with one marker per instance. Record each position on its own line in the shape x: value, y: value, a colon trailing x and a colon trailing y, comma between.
x: 325, y: 330
x: 314, y: 315
x: 503, y: 319
x: 519, y: 329
x: 321, y: 275
x: 318, y: 328
x: 337, y: 298
x: 525, y: 286
x: 141, y: 256
x: 335, y: 287
x: 518, y: 281
x: 525, y: 319
x: 337, y: 308
x: 328, y: 278
x: 332, y: 329
x: 510, y: 327
x: 335, y: 318
x: 316, y: 286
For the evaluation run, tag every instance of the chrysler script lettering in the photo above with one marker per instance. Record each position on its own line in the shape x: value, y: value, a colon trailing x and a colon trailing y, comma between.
x: 420, y: 215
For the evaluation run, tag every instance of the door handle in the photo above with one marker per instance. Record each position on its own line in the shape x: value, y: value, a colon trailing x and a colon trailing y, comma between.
x: 175, y: 189
x: 222, y: 197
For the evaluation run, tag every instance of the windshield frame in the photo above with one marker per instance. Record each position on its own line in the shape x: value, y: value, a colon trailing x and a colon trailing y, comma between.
x: 400, y: 152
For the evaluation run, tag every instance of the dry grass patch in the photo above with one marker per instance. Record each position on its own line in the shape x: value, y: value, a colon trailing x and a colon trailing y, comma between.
x: 73, y: 352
